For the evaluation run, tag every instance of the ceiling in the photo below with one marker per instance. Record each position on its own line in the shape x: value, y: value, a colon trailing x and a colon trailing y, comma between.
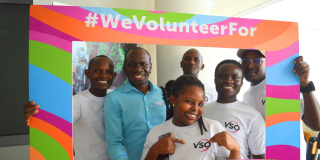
x: 237, y: 8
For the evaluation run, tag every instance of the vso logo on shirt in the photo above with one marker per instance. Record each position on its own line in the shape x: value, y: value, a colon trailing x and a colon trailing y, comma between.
x: 202, y: 145
x: 232, y: 126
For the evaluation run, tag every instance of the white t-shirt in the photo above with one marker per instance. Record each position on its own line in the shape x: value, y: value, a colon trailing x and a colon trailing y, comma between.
x: 242, y: 122
x: 89, y: 137
x: 259, y: 101
x: 210, y: 92
x: 303, y: 144
x: 197, y: 146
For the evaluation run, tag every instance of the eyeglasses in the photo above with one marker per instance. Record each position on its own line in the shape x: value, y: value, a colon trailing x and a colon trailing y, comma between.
x: 255, y: 61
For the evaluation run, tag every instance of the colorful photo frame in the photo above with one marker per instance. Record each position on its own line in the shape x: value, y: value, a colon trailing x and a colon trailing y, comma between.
x: 53, y: 28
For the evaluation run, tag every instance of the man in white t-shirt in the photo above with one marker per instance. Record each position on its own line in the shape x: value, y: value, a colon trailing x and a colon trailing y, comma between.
x: 253, y: 62
x: 192, y: 64
x: 89, y: 137
x: 241, y: 121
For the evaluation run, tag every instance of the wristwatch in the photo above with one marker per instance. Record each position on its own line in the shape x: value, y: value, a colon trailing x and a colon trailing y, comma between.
x: 309, y: 88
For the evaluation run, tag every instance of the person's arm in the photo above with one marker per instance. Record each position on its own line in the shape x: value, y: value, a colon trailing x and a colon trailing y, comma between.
x: 30, y: 109
x: 311, y: 115
x: 226, y: 140
x: 113, y: 127
x: 76, y: 109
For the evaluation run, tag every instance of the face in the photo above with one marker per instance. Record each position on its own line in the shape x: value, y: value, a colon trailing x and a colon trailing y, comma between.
x: 228, y: 82
x: 188, y: 106
x: 138, y: 67
x: 191, y: 62
x: 252, y: 72
x: 101, y: 75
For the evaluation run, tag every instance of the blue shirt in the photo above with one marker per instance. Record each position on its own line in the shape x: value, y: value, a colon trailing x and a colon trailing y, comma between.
x: 129, y: 116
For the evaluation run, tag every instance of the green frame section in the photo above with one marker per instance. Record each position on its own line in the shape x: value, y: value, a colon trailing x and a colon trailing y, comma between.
x: 275, y: 105
x: 51, y: 59
x: 47, y: 146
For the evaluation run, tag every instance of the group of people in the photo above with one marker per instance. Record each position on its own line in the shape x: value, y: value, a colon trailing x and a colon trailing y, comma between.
x: 135, y: 122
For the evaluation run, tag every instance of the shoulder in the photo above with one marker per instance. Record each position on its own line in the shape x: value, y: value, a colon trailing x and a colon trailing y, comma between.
x: 247, y: 95
x: 161, y: 126
x: 213, y: 125
x: 250, y: 113
x: 209, y: 106
x: 156, y: 94
x: 156, y: 87
x: 157, y: 90
x: 81, y: 95
x: 80, y: 100
x: 247, y: 91
x: 211, y: 121
x: 208, y: 109
x: 244, y: 105
x: 249, y: 109
x: 159, y: 130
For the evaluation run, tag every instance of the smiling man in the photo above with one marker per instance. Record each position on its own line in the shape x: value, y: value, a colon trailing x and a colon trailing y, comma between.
x: 192, y: 64
x: 89, y: 140
x: 253, y: 62
x: 133, y: 109
x: 242, y: 122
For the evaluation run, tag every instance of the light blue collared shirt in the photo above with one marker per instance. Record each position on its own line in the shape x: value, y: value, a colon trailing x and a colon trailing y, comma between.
x: 129, y: 116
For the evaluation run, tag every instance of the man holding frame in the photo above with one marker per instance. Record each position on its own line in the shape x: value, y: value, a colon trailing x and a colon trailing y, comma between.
x: 253, y: 62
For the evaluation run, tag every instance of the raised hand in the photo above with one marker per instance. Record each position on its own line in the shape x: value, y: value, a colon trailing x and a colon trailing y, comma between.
x: 302, y: 69
x: 226, y: 140
x: 30, y: 109
x: 164, y: 146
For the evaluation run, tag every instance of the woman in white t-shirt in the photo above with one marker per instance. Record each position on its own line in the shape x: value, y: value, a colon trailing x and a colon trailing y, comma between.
x: 182, y: 136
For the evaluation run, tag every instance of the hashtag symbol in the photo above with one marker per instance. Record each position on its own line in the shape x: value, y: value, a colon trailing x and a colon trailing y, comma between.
x: 91, y: 20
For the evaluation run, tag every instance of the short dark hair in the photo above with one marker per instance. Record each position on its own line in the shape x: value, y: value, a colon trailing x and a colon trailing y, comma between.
x: 229, y: 61
x: 183, y: 81
x: 135, y: 48
x: 90, y: 63
x: 201, y: 59
x: 177, y: 88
